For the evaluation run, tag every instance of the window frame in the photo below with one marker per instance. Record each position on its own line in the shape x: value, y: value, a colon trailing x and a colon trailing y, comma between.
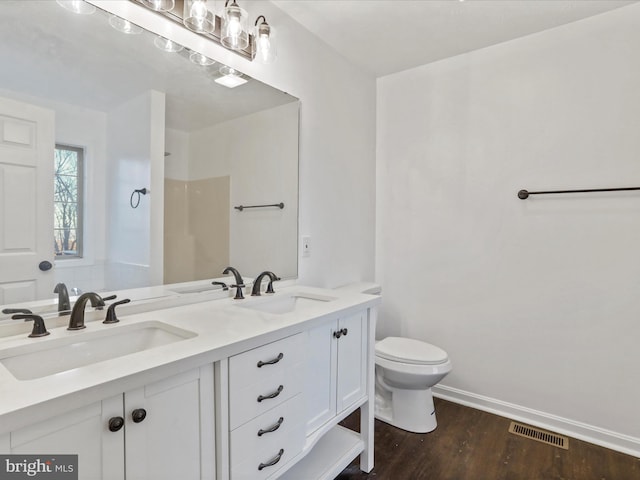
x: 80, y: 153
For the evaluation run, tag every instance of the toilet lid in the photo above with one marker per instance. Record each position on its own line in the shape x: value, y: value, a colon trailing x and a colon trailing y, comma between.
x: 409, y: 350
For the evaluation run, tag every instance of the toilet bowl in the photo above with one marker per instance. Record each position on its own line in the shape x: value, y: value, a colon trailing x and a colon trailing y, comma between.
x: 406, y: 369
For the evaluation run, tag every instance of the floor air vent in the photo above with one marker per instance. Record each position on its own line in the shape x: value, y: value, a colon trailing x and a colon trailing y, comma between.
x: 539, y: 435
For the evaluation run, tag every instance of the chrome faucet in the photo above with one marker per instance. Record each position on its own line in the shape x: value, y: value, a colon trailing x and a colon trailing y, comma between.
x: 239, y: 282
x: 63, y: 298
x: 255, y: 291
x: 76, y: 322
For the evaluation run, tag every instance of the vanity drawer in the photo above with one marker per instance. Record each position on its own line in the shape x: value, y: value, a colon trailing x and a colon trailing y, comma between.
x: 249, y: 451
x: 254, y: 365
x: 247, y: 402
x: 263, y: 378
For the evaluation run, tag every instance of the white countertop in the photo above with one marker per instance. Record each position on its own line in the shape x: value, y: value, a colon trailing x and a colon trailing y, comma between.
x: 222, y: 327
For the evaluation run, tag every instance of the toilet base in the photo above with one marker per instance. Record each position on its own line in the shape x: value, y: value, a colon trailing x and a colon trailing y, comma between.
x: 410, y: 410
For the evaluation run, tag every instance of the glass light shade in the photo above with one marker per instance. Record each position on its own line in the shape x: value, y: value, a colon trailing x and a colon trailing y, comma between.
x: 198, y: 17
x: 200, y: 59
x: 159, y: 5
x: 124, y: 26
x: 167, y: 45
x: 234, y: 33
x: 77, y: 6
x: 265, y: 43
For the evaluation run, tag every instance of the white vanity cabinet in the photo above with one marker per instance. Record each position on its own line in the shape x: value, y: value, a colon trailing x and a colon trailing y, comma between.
x: 339, y: 379
x: 336, y: 368
x: 266, y: 422
x: 164, y: 430
x: 259, y: 397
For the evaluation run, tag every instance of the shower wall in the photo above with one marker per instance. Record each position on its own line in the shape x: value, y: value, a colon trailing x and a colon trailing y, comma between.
x: 196, y: 239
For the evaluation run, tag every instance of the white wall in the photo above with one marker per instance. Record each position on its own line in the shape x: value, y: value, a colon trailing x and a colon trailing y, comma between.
x: 263, y: 168
x: 535, y: 301
x: 135, y: 134
x: 337, y: 137
x: 176, y: 164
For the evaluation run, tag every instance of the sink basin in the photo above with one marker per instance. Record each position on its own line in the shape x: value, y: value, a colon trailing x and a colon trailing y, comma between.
x: 287, y: 303
x: 37, y: 360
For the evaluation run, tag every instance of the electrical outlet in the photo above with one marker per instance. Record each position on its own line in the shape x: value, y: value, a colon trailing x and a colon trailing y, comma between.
x: 306, y: 245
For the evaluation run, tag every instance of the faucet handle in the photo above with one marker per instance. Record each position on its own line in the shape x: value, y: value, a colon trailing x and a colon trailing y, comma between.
x: 39, y: 329
x: 222, y: 284
x: 10, y: 311
x: 104, y: 299
x: 111, y: 311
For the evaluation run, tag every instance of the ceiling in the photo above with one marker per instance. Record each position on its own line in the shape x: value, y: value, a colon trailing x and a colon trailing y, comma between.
x: 388, y: 36
x: 49, y: 52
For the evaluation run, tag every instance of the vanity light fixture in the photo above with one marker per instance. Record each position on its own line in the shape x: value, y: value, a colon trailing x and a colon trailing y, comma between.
x: 264, y: 41
x: 229, y: 30
x: 197, y: 17
x: 234, y: 27
x: 200, y: 59
x: 124, y: 26
x: 167, y: 45
x: 230, y: 78
x: 77, y: 6
x: 159, y: 5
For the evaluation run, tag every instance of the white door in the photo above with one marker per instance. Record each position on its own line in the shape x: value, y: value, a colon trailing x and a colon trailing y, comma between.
x: 83, y: 431
x: 27, y: 146
x: 352, y: 358
x: 320, y: 391
x: 170, y: 428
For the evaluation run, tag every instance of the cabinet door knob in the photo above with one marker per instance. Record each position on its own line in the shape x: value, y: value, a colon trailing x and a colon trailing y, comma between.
x: 271, y: 395
x: 273, y: 461
x: 271, y: 362
x: 345, y: 331
x: 116, y: 423
x: 337, y: 334
x: 138, y: 415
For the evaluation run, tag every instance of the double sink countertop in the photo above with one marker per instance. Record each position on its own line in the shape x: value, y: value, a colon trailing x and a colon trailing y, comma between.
x: 198, y: 333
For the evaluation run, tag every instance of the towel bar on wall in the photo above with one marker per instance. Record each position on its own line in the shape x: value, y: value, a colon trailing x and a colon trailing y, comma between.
x: 242, y: 207
x: 524, y: 194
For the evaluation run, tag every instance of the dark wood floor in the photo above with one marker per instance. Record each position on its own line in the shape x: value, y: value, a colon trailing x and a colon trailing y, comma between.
x: 473, y: 445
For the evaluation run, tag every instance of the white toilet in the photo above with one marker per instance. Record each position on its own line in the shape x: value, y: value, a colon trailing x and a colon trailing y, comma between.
x: 406, y: 369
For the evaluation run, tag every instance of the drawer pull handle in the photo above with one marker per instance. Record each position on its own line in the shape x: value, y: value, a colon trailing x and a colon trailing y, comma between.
x: 271, y: 395
x: 271, y: 362
x: 272, y: 462
x: 273, y: 428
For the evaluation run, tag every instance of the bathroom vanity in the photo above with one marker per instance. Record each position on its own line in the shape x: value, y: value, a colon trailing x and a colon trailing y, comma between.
x: 223, y: 389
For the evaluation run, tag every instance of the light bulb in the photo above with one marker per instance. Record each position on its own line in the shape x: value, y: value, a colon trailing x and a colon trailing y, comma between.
x: 265, y: 45
x: 159, y: 5
x: 124, y: 26
x: 77, y: 6
x: 167, y: 45
x: 197, y: 17
x: 199, y: 9
x: 265, y: 51
x: 234, y: 31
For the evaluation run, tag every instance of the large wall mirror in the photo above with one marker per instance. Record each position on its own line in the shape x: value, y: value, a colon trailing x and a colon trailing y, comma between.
x: 128, y: 117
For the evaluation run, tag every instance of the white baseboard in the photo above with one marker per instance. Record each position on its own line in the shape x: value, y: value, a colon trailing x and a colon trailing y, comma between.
x: 582, y: 431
